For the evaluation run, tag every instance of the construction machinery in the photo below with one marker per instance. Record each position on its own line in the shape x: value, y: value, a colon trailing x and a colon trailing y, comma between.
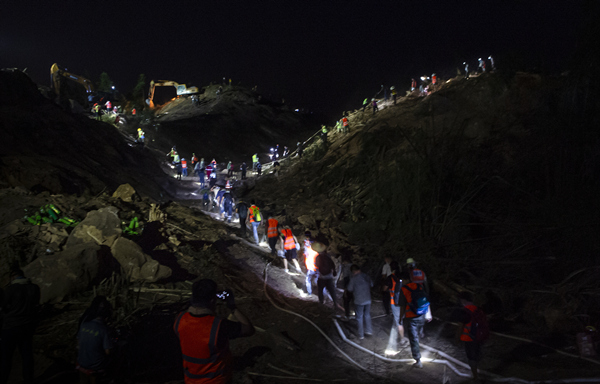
x: 182, y: 89
x: 57, y: 74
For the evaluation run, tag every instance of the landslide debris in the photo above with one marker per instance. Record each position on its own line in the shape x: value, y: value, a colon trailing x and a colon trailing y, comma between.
x: 44, y: 148
x: 490, y: 183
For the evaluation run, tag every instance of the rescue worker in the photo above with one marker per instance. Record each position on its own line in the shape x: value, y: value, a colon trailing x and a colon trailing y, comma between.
x: 255, y: 219
x: 300, y: 149
x: 97, y: 111
x: 394, y: 94
x: 464, y: 317
x: 338, y: 126
x: 254, y: 161
x: 200, y: 172
x: 178, y: 170
x: 466, y: 70
x: 417, y: 275
x: 259, y: 168
x: 209, y: 170
x: 108, y: 106
x: 174, y: 155
x: 324, y: 134
x: 242, y: 210
x: 202, y: 162
x: 194, y: 160
x: 20, y: 306
x: 184, y: 167
x: 491, y: 59
x: 413, y: 322
x: 386, y: 271
x: 229, y: 169
x: 309, y: 261
x: 374, y: 103
x: 345, y: 124
x: 95, y: 342
x: 482, y: 65
x: 433, y: 79
x: 133, y: 111
x: 413, y: 84
x: 204, y: 336
x: 141, y: 136
x: 213, y: 177
x: 272, y: 233
x: 276, y: 166
x: 228, y: 202
x: 290, y: 245
x: 286, y: 151
x: 365, y: 103
x: 360, y: 285
x: 393, y: 284
x: 243, y: 168
x: 326, y: 268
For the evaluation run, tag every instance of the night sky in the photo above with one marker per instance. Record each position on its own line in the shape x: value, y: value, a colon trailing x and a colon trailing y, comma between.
x: 323, y: 55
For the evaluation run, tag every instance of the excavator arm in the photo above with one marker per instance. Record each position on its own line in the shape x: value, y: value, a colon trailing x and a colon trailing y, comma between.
x: 56, y: 74
x: 182, y: 89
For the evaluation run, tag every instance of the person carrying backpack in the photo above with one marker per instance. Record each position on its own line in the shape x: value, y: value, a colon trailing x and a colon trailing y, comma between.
x: 255, y: 218
x: 473, y: 329
x: 413, y: 312
x: 392, y: 288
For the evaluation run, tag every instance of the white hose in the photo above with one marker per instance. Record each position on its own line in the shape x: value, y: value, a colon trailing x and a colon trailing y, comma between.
x: 309, y: 321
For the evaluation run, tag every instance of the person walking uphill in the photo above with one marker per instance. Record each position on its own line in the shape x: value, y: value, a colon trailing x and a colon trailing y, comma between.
x: 291, y: 246
x: 413, y: 313
x: 272, y: 232
x: 242, y: 210
x: 255, y: 219
x: 473, y: 329
x: 20, y: 305
x: 326, y: 268
x: 309, y: 261
x: 360, y: 285
x: 204, y: 336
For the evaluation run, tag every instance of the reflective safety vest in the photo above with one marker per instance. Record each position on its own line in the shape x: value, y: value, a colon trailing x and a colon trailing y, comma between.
x: 365, y: 101
x: 309, y: 257
x: 254, y: 214
x: 466, y: 332
x: 133, y: 111
x: 202, y: 362
x: 254, y: 159
x: 407, y: 291
x: 417, y: 276
x: 394, y: 290
x: 184, y: 164
x: 434, y: 79
x: 345, y: 121
x: 272, y: 228
x: 413, y: 84
x: 289, y: 243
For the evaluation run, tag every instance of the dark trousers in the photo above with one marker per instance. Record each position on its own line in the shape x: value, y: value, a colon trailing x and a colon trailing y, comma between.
x: 243, y: 226
x: 22, y: 337
x: 348, y: 297
x: 272, y: 244
x: 385, y: 297
x: 326, y: 283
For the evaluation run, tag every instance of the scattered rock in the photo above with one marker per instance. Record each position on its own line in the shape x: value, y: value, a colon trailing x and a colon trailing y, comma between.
x: 66, y: 272
x: 101, y: 226
x: 125, y: 192
x: 138, y: 265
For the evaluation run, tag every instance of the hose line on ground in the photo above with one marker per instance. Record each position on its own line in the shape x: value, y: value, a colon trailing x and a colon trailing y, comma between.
x: 309, y: 321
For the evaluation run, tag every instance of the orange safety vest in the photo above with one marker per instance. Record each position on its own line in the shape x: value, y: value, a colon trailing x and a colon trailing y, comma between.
x: 289, y: 243
x: 345, y: 121
x: 251, y: 213
x: 203, y: 363
x: 393, y: 290
x: 272, y: 229
x: 434, y: 79
x: 466, y: 332
x: 408, y: 295
x: 417, y: 276
x: 184, y: 164
x: 309, y: 259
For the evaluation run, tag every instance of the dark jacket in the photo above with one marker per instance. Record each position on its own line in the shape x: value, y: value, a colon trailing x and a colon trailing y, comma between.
x: 325, y: 265
x: 242, y: 209
x: 20, y: 304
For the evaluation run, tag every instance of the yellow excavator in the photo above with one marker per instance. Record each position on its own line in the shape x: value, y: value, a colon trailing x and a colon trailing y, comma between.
x: 182, y: 89
x: 57, y: 74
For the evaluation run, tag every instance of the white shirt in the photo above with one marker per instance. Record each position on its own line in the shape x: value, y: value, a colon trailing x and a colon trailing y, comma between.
x: 386, y: 270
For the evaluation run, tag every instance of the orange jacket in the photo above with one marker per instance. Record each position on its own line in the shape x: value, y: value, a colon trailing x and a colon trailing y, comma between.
x: 466, y: 332
x: 203, y: 363
x: 309, y: 259
x: 408, y: 295
x: 251, y: 213
x: 184, y: 164
x: 272, y: 228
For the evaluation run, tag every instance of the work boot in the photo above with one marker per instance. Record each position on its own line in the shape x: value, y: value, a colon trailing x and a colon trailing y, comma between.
x: 418, y: 364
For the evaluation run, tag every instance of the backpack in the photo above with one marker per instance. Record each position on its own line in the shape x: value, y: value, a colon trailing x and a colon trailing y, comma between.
x: 480, y: 329
x: 257, y: 216
x: 419, y: 304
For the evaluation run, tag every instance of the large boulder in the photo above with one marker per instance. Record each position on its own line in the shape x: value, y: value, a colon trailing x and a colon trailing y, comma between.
x: 66, y: 272
x: 124, y: 192
x: 136, y: 264
x: 101, y: 227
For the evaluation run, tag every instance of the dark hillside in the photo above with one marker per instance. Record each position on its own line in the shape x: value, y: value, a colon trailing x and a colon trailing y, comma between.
x: 490, y: 182
x: 45, y: 148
